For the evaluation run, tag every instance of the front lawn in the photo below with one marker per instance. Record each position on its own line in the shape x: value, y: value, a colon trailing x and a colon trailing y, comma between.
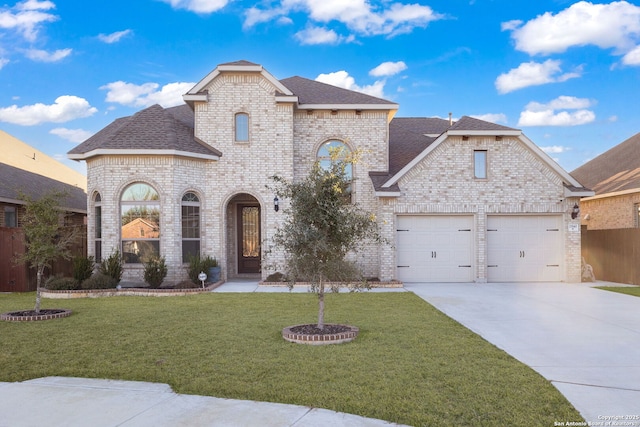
x: 410, y: 364
x: 635, y: 291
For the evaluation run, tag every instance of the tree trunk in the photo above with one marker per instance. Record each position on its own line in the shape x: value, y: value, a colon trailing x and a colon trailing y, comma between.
x: 321, y: 305
x: 38, y: 281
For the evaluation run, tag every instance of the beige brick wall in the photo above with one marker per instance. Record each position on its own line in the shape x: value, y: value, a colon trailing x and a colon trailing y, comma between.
x: 610, y: 212
x: 518, y: 183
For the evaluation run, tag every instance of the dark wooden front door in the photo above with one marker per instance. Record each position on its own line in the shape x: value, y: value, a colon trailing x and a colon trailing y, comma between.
x: 248, y: 238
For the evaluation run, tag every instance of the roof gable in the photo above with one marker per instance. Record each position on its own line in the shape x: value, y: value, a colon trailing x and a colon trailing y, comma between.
x: 617, y: 169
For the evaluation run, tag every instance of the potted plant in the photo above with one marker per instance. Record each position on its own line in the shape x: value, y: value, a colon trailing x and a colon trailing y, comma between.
x: 210, y: 266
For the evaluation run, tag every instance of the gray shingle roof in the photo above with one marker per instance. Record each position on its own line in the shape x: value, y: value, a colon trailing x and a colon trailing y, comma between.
x: 14, y: 180
x: 313, y: 92
x: 473, y: 124
x: 617, y: 169
x: 154, y: 128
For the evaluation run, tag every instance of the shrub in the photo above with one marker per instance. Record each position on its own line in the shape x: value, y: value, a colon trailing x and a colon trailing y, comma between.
x: 186, y: 284
x: 155, y: 270
x: 99, y: 281
x: 60, y: 283
x: 83, y: 268
x: 197, y: 265
x: 112, y: 266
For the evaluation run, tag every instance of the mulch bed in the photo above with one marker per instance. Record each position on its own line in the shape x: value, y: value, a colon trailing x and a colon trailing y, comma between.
x: 31, y: 315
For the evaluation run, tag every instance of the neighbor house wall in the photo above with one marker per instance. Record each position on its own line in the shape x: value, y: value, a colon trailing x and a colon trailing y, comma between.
x: 606, y: 212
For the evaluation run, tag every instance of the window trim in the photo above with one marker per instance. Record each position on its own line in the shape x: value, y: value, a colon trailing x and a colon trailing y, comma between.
x: 154, y: 241
x: 245, y: 127
x: 198, y: 204
x: 13, y: 210
x: 485, y: 166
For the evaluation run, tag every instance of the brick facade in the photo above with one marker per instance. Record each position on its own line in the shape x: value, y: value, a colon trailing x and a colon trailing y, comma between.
x: 611, y: 211
x: 284, y: 141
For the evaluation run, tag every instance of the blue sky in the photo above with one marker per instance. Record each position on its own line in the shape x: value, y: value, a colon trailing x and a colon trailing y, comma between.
x: 567, y: 73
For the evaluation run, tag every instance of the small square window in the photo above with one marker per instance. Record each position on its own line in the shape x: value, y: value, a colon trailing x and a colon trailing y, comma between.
x: 480, y: 164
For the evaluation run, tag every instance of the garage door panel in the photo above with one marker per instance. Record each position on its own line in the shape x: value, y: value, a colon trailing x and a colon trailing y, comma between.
x: 434, y: 248
x: 524, y: 248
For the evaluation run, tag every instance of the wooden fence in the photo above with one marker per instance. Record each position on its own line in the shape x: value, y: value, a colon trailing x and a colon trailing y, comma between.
x: 20, y: 278
x: 613, y: 254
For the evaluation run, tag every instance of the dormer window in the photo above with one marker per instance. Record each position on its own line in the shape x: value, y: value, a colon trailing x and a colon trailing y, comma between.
x: 242, y: 127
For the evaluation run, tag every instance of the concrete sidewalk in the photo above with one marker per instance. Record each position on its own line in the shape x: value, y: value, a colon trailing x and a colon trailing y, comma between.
x: 585, y: 341
x: 81, y: 402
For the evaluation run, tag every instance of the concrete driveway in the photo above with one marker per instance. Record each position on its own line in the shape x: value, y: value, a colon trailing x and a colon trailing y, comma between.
x: 585, y: 341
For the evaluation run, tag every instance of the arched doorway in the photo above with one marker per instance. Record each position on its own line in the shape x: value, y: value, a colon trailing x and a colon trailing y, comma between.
x: 245, y: 234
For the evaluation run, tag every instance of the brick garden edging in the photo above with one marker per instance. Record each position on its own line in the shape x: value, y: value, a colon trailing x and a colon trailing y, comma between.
x: 13, y: 317
x: 320, y: 339
x: 140, y: 292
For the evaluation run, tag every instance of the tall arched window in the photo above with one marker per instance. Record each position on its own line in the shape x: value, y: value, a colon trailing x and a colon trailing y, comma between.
x: 140, y: 216
x: 242, y: 127
x: 190, y: 226
x: 97, y: 232
x: 341, y: 151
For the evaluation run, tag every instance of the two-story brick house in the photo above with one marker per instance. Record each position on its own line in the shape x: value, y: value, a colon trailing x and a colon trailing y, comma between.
x: 459, y: 202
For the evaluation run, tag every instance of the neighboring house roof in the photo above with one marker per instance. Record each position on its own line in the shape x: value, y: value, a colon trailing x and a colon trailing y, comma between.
x: 161, y: 131
x: 23, y: 156
x: 312, y: 93
x: 617, y: 169
x: 14, y: 180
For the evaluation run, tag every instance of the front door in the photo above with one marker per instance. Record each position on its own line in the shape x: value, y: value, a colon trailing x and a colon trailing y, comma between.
x: 248, y: 238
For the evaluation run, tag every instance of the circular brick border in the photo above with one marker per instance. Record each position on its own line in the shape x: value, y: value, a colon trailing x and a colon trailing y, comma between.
x: 320, y: 339
x: 14, y: 317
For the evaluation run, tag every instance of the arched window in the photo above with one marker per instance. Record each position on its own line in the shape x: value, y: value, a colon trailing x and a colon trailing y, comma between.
x: 336, y: 150
x: 190, y: 226
x: 97, y: 232
x: 140, y: 216
x: 242, y: 127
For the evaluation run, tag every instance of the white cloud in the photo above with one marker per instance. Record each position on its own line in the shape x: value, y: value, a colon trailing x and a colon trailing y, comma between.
x: 614, y: 25
x: 44, y: 56
x: 491, y: 117
x: 113, y: 37
x: 65, y: 108
x: 537, y: 114
x: 555, y: 149
x: 358, y: 15
x: 533, y: 74
x: 74, y: 135
x: 388, y: 69
x: 3, y: 62
x: 26, y: 17
x: 198, y: 6
x: 344, y: 80
x: 317, y: 35
x: 146, y: 94
x: 632, y: 57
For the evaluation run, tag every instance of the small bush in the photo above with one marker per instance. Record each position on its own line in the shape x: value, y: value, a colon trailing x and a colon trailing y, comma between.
x: 155, y: 270
x: 99, y: 281
x: 186, y: 284
x: 112, y: 266
x: 83, y: 268
x: 60, y: 283
x: 276, y: 277
x: 198, y: 265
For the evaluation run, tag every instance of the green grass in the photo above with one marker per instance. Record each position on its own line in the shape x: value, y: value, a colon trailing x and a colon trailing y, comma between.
x: 635, y: 291
x: 410, y: 364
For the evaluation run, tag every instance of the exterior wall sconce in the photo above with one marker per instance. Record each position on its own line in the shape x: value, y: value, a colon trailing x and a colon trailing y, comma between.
x: 276, y: 204
x: 575, y: 211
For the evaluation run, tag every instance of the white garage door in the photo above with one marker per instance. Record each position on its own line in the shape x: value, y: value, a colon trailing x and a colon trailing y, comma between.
x: 434, y: 248
x: 524, y: 248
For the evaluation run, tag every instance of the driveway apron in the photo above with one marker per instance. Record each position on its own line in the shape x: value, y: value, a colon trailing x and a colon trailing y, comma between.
x: 586, y: 341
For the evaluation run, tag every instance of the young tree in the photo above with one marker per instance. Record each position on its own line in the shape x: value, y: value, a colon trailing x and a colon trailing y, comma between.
x: 45, y: 239
x: 322, y: 227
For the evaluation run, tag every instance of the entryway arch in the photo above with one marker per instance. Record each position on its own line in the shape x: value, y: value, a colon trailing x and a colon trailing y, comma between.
x: 244, y: 235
